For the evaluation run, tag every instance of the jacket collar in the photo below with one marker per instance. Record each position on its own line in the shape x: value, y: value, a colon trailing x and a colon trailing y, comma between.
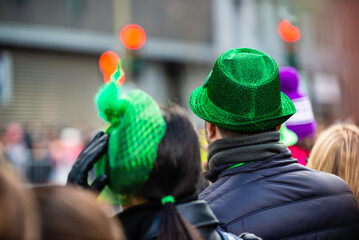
x: 197, y: 213
x: 142, y: 221
x: 280, y: 159
x: 137, y: 219
x: 256, y: 147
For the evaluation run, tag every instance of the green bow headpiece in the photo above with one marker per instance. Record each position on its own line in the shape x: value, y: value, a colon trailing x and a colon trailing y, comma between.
x: 137, y: 127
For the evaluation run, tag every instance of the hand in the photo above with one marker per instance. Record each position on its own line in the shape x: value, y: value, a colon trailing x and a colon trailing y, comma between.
x: 86, y: 160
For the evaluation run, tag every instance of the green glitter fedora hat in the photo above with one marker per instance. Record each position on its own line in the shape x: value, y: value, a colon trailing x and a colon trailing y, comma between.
x: 242, y: 93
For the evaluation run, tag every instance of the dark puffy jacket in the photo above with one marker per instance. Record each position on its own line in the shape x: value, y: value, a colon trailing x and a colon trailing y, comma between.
x: 142, y: 221
x: 281, y: 199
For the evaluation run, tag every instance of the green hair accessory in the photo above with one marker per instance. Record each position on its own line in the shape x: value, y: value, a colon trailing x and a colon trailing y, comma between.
x: 118, y: 76
x: 167, y: 199
x: 136, y: 129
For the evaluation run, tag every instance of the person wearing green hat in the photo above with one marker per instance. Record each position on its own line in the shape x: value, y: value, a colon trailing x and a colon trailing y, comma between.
x: 149, y: 162
x: 256, y: 185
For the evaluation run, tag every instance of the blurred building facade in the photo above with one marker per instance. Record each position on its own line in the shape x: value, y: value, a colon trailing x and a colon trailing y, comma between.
x: 49, y: 54
x: 49, y: 50
x: 327, y: 56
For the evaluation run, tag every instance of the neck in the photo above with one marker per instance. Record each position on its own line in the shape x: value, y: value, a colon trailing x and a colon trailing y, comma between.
x: 133, y: 202
x: 227, y: 153
x: 244, y: 149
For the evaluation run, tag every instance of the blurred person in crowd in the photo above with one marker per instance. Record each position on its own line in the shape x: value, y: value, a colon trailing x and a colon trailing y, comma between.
x: 39, y: 168
x: 203, y: 183
x: 302, y: 123
x: 64, y: 152
x: 336, y: 151
x: 18, y: 209
x: 16, y: 149
x: 53, y: 135
x: 2, y: 152
x: 2, y: 156
x: 257, y: 186
x: 73, y: 214
x: 152, y: 167
x: 87, y: 132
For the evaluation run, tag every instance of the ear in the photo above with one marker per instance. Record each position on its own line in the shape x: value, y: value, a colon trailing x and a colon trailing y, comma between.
x: 212, y: 131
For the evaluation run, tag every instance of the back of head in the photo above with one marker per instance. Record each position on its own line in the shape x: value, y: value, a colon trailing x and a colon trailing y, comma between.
x: 226, y: 133
x: 336, y: 151
x: 18, y: 215
x: 70, y: 213
x: 175, y: 173
x: 177, y: 167
x: 152, y: 155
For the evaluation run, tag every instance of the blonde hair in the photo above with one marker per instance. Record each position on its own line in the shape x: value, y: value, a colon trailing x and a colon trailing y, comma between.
x: 336, y: 151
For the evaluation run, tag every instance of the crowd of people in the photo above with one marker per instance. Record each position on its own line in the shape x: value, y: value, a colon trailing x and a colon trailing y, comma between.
x: 148, y: 161
x: 43, y: 153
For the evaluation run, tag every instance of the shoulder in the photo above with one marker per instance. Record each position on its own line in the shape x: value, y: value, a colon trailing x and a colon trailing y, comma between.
x: 287, y: 178
x: 325, y: 180
x: 283, y: 194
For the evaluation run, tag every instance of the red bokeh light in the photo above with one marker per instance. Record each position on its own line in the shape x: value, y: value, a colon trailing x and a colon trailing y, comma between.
x: 108, y: 64
x: 133, y: 36
x: 288, y: 32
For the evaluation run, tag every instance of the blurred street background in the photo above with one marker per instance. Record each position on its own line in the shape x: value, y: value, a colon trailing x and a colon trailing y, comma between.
x: 50, y: 50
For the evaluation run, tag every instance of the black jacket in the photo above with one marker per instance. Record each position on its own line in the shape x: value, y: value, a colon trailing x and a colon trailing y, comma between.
x: 278, y: 198
x: 142, y: 221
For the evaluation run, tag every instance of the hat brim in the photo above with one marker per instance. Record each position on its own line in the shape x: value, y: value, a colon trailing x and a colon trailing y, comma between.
x: 204, y: 108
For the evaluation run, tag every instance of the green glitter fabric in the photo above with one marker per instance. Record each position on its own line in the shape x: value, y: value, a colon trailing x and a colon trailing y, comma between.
x: 137, y: 127
x: 242, y: 93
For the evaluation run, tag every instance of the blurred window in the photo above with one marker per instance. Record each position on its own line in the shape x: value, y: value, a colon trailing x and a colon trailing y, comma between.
x: 188, y: 20
x: 5, y: 78
x: 84, y: 14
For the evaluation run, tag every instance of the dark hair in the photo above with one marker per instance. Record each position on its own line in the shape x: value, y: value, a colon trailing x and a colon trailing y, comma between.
x: 70, y: 213
x: 226, y: 133
x: 176, y: 172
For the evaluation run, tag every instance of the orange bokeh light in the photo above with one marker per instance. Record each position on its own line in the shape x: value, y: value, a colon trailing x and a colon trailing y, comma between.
x: 108, y: 64
x: 133, y: 36
x: 288, y: 32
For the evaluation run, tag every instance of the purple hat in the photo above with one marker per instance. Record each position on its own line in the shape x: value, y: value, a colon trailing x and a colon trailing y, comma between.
x: 303, y: 121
